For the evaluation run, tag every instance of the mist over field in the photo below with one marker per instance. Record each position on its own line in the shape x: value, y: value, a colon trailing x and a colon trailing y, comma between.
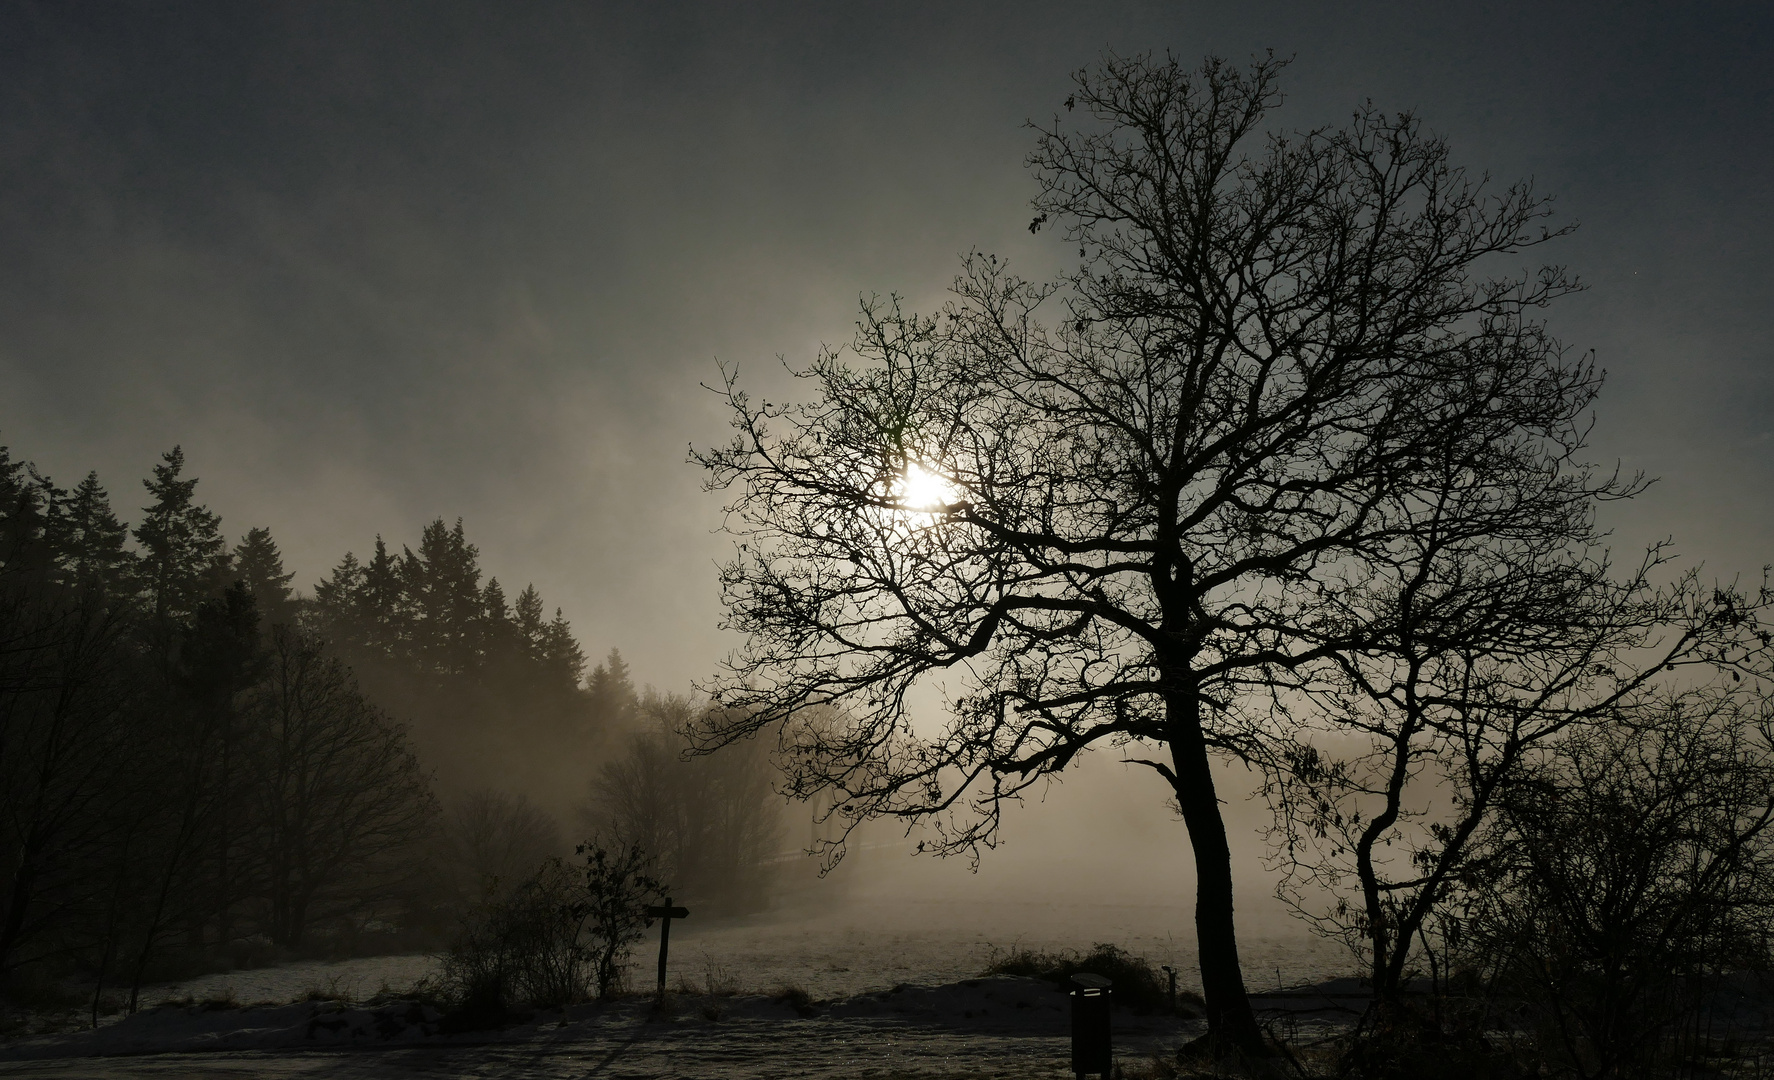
x: 396, y: 406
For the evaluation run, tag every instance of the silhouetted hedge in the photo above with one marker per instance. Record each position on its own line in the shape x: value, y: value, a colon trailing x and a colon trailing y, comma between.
x: 1138, y: 985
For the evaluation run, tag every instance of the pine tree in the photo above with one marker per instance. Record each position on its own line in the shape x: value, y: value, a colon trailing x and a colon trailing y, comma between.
x: 335, y: 604
x: 485, y: 680
x: 89, y: 540
x: 612, y: 695
x: 442, y: 583
x: 25, y: 523
x: 383, y: 605
x: 26, y: 503
x: 493, y: 604
x: 527, y: 616
x: 12, y: 480
x: 182, y: 545
x: 259, y: 564
x: 498, y: 644
x: 563, y: 660
x: 364, y: 610
x: 70, y: 727
x: 222, y: 657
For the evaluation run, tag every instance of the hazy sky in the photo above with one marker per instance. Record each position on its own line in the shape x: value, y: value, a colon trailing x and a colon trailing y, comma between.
x: 378, y: 263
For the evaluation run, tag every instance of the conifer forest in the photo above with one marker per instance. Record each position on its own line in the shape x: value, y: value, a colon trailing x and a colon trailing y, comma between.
x: 202, y: 764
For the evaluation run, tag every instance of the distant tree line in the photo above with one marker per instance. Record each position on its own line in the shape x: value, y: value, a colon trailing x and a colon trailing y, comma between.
x: 183, y: 766
x: 200, y: 767
x: 502, y: 703
x: 486, y: 679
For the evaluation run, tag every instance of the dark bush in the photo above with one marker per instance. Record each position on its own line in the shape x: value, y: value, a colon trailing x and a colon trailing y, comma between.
x: 520, y: 948
x: 614, y: 892
x: 1633, y: 875
x: 1138, y: 985
x: 562, y: 936
x: 795, y: 998
x: 1447, y: 1036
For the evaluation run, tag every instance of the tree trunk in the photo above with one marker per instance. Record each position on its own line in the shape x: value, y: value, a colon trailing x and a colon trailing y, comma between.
x: 224, y: 867
x: 1230, y: 1022
x: 12, y: 929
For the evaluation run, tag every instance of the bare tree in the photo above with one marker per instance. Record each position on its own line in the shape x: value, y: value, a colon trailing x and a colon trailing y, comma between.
x: 67, y: 744
x: 1492, y: 629
x: 709, y: 823
x: 1631, y: 865
x: 1128, y: 527
x: 339, y: 791
x: 1481, y: 662
x: 68, y: 691
x: 491, y: 841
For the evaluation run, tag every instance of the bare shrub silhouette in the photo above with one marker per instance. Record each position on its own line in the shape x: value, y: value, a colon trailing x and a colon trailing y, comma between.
x: 560, y: 936
x: 1631, y: 880
x: 617, y: 887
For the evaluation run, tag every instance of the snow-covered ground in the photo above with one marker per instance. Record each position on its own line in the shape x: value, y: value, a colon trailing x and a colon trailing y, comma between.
x: 846, y: 943
x: 986, y: 1027
x: 862, y: 947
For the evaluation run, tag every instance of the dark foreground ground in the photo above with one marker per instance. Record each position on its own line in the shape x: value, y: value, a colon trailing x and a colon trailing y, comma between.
x: 1001, y: 1026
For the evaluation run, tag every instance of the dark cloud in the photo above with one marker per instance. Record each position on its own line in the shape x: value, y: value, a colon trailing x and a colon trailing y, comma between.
x: 374, y: 264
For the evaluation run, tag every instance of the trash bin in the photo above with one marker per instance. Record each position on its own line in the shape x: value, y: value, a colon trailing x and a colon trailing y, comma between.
x: 1091, y: 1050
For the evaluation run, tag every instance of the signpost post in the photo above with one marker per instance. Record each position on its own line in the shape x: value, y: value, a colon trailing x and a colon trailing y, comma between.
x: 665, y: 913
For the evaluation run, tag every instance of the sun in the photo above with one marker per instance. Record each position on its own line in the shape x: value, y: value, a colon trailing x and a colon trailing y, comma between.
x: 921, y: 489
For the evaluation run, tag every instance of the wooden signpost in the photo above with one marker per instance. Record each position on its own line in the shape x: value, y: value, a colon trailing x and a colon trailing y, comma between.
x: 665, y: 913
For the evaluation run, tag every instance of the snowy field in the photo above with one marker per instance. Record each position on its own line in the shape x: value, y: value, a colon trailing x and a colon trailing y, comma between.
x: 988, y: 1027
x: 859, y: 949
x: 1000, y: 1026
x: 879, y: 923
x: 941, y: 1021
